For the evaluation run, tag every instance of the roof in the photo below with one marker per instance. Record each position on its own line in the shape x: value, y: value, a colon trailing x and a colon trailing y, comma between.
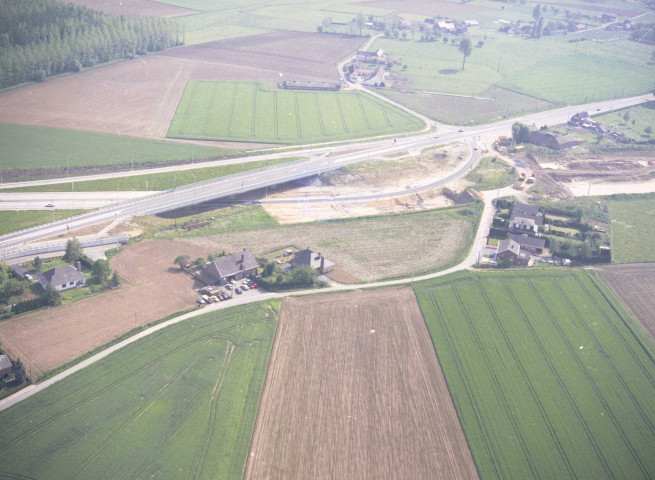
x: 520, y: 208
x: 509, y: 245
x: 226, y: 266
x: 61, y: 275
x: 524, y: 240
x: 524, y: 219
x: 4, y: 362
x: 307, y: 257
x: 20, y: 270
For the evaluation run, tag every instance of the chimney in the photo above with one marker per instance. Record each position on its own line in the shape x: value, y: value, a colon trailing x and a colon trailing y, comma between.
x: 322, y: 264
x: 79, y: 266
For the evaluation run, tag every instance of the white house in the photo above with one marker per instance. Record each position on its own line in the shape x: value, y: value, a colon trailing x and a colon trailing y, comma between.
x: 62, y: 278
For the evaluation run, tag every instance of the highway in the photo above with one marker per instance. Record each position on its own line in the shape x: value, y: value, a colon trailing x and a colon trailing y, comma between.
x: 318, y: 160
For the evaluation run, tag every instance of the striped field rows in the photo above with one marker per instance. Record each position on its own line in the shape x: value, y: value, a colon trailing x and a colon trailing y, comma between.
x: 550, y: 376
x: 252, y: 113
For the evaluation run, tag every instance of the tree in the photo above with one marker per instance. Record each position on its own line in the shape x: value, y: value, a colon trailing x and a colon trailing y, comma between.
x: 73, y: 250
x: 536, y: 13
x: 304, y: 276
x: 520, y: 132
x: 37, y: 263
x: 115, y: 280
x: 359, y: 21
x: 199, y: 262
x: 466, y: 48
x: 182, y: 260
x: 52, y: 296
x: 101, y: 270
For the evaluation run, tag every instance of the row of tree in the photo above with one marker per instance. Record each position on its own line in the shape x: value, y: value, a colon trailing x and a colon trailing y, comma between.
x: 41, y: 38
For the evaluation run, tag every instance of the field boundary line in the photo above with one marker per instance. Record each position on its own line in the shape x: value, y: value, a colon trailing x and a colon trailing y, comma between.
x: 276, y: 127
x: 343, y: 120
x: 319, y: 114
x: 295, y: 104
x: 210, y: 426
x: 253, y: 111
x: 493, y: 455
x: 497, y: 384
x: 581, y: 367
x: 128, y: 422
x: 235, y: 88
x: 211, y: 107
x: 363, y: 110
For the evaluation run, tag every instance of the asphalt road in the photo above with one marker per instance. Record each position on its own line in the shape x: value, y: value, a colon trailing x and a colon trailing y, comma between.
x: 319, y: 160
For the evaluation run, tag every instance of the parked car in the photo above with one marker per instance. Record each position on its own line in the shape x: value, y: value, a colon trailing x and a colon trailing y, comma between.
x: 238, y: 291
x: 460, y: 130
x: 228, y: 286
x: 244, y: 287
x: 232, y: 282
x: 254, y: 285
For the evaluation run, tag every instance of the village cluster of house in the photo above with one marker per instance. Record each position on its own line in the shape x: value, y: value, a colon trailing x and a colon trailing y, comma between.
x: 582, y: 121
x: 239, y: 266
x: 523, y: 243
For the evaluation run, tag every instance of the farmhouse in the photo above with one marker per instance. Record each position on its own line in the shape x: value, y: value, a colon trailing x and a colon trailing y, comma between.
x: 528, y: 244
x: 510, y: 252
x: 371, y: 57
x: 62, y: 278
x: 5, y: 366
x: 377, y: 79
x: 446, y: 27
x: 545, y: 138
x: 314, y: 260
x: 525, y: 219
x: 224, y: 269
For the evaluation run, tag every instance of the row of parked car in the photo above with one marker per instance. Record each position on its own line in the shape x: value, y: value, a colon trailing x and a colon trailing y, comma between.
x: 212, y: 294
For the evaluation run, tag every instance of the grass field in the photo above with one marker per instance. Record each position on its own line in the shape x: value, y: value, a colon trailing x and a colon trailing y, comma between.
x: 510, y: 75
x: 180, y: 403
x: 550, y: 376
x: 632, y: 122
x: 490, y: 173
x: 10, y: 221
x: 249, y: 112
x: 632, y: 227
x: 23, y: 147
x: 375, y: 247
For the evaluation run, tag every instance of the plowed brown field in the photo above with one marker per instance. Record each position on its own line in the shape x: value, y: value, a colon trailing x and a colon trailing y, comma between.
x: 634, y: 284
x: 153, y: 289
x: 354, y: 390
x: 139, y: 97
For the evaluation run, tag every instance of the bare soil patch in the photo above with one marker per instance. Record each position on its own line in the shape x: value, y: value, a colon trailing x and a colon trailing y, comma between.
x: 371, y: 178
x: 139, y: 97
x: 135, y: 8
x: 634, y: 284
x: 368, y: 398
x: 153, y: 288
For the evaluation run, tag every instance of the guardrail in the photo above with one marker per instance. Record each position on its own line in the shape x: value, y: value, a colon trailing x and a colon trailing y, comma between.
x: 22, y: 252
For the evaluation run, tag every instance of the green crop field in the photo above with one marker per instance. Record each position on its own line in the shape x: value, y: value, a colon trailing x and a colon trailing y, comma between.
x: 249, y: 112
x: 11, y: 221
x: 24, y: 147
x: 632, y: 228
x: 550, y: 376
x: 491, y: 173
x: 180, y: 403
